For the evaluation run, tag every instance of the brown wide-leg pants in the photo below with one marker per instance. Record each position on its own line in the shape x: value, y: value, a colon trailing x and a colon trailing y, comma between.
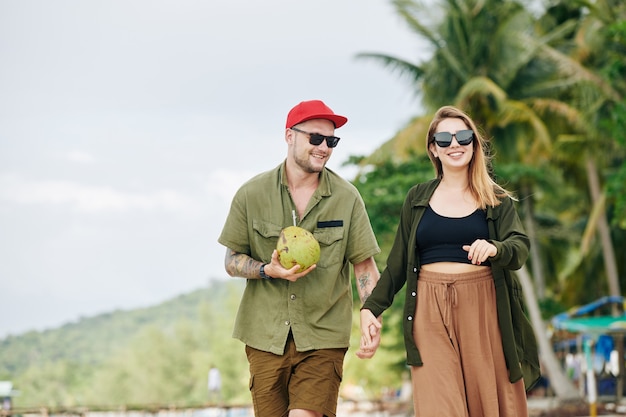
x: 456, y: 330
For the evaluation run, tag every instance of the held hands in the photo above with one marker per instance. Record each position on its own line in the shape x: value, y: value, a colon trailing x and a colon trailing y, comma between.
x: 479, y: 251
x: 370, y: 335
x: 275, y: 269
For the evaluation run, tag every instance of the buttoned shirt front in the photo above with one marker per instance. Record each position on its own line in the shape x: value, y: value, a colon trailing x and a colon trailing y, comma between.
x: 317, y: 308
x: 403, y: 266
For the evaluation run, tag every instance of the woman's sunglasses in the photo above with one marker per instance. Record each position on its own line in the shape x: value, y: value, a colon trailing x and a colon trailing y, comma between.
x: 316, y: 139
x: 463, y: 137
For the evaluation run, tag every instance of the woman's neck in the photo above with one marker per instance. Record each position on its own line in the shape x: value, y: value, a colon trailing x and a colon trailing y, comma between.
x: 455, y: 181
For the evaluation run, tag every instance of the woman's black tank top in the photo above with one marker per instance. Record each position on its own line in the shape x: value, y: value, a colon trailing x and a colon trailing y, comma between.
x: 441, y: 239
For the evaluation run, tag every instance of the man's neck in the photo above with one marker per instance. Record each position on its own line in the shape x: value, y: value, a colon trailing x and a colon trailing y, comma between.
x: 297, y: 178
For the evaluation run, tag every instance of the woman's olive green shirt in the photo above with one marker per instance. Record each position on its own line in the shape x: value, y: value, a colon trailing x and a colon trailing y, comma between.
x: 403, y: 265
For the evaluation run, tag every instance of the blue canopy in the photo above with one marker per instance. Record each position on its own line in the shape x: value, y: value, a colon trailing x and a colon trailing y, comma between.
x: 594, y: 325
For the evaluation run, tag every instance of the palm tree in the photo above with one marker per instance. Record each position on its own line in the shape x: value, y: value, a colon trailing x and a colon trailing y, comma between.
x: 483, y: 62
x: 486, y: 61
x: 594, y: 48
x: 599, y: 43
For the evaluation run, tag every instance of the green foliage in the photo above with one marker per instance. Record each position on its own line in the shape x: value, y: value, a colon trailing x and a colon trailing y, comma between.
x: 52, y: 383
x: 156, y: 355
x: 549, y: 93
x: 91, y: 340
x: 614, y: 124
x: 550, y: 307
x: 547, y: 89
x: 155, y: 368
x: 384, y: 188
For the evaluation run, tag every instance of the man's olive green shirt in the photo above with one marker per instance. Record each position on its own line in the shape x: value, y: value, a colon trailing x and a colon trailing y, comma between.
x: 317, y: 307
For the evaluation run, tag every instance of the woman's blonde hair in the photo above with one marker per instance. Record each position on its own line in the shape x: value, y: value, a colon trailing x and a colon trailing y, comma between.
x: 484, y: 189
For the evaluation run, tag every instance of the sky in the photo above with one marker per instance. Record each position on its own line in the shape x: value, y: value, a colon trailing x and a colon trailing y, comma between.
x: 126, y: 127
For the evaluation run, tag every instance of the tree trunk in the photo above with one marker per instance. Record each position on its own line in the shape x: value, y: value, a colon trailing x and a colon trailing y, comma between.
x: 608, y: 251
x: 563, y: 388
x: 603, y: 229
x: 535, y: 256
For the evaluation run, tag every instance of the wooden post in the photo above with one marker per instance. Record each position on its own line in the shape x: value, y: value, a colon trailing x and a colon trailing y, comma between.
x: 592, y: 393
x: 619, y: 341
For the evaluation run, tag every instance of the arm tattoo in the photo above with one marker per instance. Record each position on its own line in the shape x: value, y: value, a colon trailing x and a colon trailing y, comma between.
x: 365, y: 286
x: 242, y: 265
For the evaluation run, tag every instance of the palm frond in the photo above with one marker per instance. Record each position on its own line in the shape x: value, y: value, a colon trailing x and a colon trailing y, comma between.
x: 402, y: 67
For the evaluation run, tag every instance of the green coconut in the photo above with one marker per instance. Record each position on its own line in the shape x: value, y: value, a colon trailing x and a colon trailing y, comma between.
x: 297, y: 246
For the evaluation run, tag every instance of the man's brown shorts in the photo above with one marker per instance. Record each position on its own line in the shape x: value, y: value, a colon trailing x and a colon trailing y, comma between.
x: 296, y: 380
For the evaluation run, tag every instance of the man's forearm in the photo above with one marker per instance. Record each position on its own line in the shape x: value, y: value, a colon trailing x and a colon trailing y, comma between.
x: 241, y: 265
x: 366, y: 278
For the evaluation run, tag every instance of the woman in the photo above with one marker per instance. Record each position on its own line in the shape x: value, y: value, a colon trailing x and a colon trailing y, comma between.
x: 471, y: 349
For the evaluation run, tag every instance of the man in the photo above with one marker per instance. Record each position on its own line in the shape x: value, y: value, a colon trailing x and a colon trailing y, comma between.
x: 296, y: 325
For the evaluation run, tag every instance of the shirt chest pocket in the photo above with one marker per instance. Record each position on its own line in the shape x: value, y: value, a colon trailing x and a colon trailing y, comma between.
x: 263, y: 242
x: 331, y: 245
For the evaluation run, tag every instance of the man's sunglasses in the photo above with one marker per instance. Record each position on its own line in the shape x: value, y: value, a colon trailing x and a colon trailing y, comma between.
x: 463, y: 137
x: 316, y: 139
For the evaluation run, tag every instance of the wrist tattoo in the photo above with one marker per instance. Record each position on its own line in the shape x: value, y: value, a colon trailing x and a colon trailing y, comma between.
x: 365, y: 284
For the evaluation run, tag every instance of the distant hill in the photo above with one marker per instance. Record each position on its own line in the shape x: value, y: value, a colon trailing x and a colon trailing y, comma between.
x: 92, y: 340
x: 157, y: 355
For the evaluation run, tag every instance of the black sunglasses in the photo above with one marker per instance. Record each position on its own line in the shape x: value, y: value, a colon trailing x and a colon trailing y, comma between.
x: 316, y: 139
x: 463, y: 137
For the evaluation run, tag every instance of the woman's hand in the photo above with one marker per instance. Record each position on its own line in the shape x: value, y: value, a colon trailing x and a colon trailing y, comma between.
x: 370, y: 334
x: 479, y: 251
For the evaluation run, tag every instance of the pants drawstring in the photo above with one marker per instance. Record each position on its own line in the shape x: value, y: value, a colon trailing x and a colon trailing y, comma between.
x: 450, y: 300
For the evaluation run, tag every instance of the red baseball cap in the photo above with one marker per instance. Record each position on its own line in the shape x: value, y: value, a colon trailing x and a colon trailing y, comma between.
x: 313, y: 109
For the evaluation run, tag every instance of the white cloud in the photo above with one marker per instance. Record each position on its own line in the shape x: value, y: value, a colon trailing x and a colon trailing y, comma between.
x: 222, y: 184
x: 80, y: 157
x: 90, y: 199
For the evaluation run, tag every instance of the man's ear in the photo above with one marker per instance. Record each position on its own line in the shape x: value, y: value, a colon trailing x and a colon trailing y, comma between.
x: 289, y: 136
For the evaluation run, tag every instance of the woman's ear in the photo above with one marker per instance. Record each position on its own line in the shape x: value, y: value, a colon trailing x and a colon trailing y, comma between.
x: 433, y: 150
